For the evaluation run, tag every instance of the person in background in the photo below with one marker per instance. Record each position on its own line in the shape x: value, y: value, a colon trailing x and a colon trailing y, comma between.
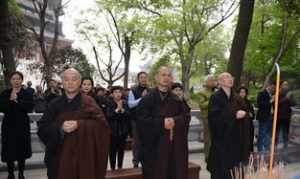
x: 134, y: 97
x: 16, y: 103
x: 286, y: 102
x: 87, y: 87
x: 264, y: 100
x: 102, y: 99
x: 100, y: 91
x: 60, y: 88
x: 29, y: 88
x: 126, y: 93
x: 39, y: 100
x: 202, y: 98
x: 182, y: 140
x: 177, y: 89
x: 246, y: 126
x: 52, y: 91
x: 98, y: 86
x: 119, y: 121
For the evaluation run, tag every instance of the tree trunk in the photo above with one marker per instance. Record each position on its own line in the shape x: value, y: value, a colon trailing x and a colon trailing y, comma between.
x: 185, y: 78
x: 236, y: 59
x: 127, y: 60
x: 186, y: 70
x: 8, y: 63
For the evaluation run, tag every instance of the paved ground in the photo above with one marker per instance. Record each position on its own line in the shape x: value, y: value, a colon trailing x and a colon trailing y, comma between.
x: 198, y: 158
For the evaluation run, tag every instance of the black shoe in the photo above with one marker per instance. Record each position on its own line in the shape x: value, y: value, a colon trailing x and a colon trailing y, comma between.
x: 21, y: 176
x: 11, y: 176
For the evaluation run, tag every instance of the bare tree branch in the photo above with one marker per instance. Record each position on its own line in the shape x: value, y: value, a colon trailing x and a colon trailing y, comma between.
x: 224, y: 17
x: 98, y: 64
x: 142, y: 5
x: 118, y: 39
x: 185, y: 23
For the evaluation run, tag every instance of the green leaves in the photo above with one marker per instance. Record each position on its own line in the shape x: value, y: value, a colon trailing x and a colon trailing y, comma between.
x: 266, y: 35
x: 69, y: 57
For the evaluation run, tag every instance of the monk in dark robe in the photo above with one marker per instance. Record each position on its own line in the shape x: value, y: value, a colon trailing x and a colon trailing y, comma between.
x: 162, y: 125
x: 75, y: 133
x: 226, y: 112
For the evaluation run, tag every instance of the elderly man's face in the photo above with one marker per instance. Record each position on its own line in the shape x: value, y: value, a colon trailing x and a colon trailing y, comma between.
x: 164, y: 77
x: 71, y: 81
x: 226, y: 80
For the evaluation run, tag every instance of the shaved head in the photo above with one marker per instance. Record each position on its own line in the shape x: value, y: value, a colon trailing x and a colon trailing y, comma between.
x: 163, y: 77
x: 71, y: 71
x: 71, y: 79
x: 163, y: 68
x: 225, y: 79
x: 223, y: 75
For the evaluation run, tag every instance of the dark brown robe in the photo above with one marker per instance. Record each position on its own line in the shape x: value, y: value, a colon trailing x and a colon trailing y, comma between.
x: 162, y: 158
x: 84, y: 152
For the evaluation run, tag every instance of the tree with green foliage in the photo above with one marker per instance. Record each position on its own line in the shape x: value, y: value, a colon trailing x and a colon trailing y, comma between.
x: 70, y: 57
x: 123, y: 30
x: 180, y: 26
x: 13, y: 36
x: 274, y: 38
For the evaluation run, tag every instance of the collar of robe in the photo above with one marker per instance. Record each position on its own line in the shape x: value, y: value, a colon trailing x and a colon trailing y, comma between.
x: 163, y: 95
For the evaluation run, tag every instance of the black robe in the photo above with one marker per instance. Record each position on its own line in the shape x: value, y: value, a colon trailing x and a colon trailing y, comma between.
x: 227, y: 147
x: 15, y: 129
x: 162, y: 158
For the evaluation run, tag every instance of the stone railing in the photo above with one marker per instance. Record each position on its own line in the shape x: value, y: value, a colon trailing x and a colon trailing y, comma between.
x: 195, y: 132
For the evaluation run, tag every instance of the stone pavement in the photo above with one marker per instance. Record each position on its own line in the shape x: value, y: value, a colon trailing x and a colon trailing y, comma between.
x: 198, y: 158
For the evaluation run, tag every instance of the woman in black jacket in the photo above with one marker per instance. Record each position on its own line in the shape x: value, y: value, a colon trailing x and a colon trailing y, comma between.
x: 15, y: 103
x: 243, y: 92
x: 119, y: 122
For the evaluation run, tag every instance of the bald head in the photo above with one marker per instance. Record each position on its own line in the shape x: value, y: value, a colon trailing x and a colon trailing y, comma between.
x: 163, y: 69
x: 71, y: 71
x: 163, y: 77
x: 225, y: 80
x: 71, y: 79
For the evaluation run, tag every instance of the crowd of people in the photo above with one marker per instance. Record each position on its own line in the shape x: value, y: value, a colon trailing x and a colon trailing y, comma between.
x: 84, y: 126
